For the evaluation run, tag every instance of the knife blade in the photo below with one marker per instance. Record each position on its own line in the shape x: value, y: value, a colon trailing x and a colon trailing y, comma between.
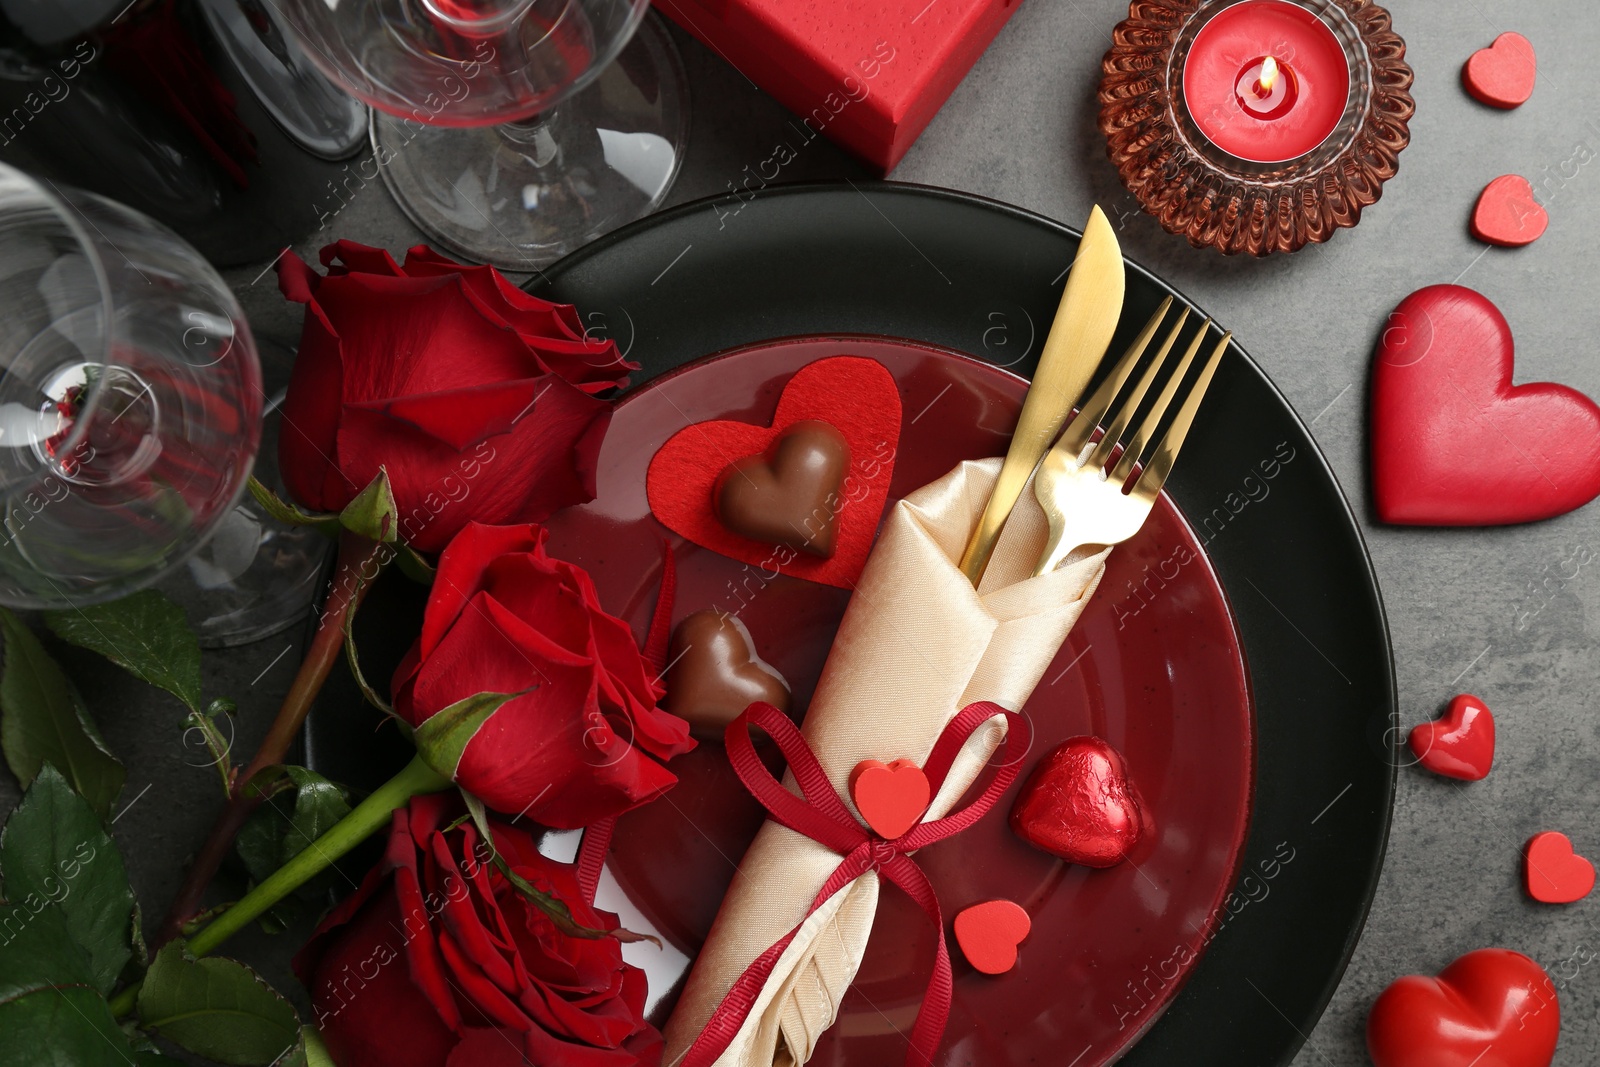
x: 1086, y: 318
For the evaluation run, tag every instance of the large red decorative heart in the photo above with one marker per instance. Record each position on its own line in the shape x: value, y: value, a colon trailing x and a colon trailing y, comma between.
x: 1507, y: 214
x: 1552, y: 872
x: 1490, y: 1008
x: 1461, y: 743
x: 860, y: 399
x: 1503, y: 74
x: 890, y: 796
x: 1080, y: 804
x: 989, y: 934
x: 1454, y: 443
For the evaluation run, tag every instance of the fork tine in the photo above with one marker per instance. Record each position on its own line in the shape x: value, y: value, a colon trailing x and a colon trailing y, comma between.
x: 1152, y: 418
x: 1154, y: 475
x: 1126, y: 409
x: 1094, y: 409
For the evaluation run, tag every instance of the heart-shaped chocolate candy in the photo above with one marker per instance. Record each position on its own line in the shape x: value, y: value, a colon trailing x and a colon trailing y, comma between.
x: 715, y: 673
x: 789, y: 494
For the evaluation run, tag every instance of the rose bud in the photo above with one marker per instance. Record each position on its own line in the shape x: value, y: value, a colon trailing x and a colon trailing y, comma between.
x: 474, y: 396
x: 552, y: 708
x: 439, y: 958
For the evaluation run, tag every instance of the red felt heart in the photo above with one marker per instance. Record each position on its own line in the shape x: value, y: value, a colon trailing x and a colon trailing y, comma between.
x: 1454, y: 443
x: 1080, y: 804
x: 1490, y: 1008
x: 890, y: 796
x: 1503, y: 74
x: 1552, y: 872
x: 1507, y: 214
x: 1461, y: 743
x: 989, y: 934
x: 859, y: 398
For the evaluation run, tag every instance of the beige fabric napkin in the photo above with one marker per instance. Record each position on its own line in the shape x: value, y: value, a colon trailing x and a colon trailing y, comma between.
x: 917, y: 644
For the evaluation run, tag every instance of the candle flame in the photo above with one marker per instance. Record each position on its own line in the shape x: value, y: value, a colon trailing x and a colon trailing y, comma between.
x: 1269, y: 75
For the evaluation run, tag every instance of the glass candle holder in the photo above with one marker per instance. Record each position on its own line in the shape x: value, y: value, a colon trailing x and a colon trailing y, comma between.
x: 1247, y: 167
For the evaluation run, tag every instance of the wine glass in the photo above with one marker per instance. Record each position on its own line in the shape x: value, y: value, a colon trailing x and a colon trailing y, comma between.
x: 130, y: 397
x: 502, y: 127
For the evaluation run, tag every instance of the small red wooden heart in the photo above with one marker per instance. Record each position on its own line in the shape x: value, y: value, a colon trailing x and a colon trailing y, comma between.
x: 989, y: 934
x: 859, y: 398
x: 890, y: 796
x: 1507, y: 214
x: 1552, y: 872
x: 1503, y: 74
x: 1454, y: 443
x: 1461, y: 743
x: 1080, y: 804
x: 1490, y: 1007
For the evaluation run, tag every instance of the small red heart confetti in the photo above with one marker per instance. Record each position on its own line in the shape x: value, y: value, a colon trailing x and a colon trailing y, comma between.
x: 890, y: 796
x: 1507, y: 214
x: 1552, y: 872
x: 1491, y: 1006
x: 989, y: 934
x: 1503, y: 74
x: 1461, y: 743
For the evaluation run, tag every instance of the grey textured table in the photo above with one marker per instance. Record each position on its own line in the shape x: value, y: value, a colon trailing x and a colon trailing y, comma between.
x: 1468, y: 609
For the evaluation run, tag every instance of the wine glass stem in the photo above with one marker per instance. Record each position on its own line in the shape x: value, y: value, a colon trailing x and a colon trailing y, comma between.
x: 533, y: 137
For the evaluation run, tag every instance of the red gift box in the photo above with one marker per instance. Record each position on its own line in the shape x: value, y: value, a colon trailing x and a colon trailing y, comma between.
x: 868, y: 74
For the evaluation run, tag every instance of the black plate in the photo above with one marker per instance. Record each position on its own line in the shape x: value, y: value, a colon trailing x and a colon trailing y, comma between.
x: 984, y: 278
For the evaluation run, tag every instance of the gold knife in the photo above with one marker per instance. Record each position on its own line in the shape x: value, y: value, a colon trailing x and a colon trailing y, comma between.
x: 1090, y: 306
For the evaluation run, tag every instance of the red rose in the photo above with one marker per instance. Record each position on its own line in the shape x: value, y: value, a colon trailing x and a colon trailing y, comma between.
x: 438, y: 960
x: 583, y: 741
x: 473, y: 395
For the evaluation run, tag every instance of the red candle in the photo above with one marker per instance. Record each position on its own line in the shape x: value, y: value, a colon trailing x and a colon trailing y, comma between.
x: 1266, y: 80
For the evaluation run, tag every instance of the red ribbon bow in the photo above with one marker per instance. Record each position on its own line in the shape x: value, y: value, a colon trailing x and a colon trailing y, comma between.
x: 821, y: 815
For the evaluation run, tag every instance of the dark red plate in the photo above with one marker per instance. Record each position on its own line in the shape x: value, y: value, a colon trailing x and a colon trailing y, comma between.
x: 1154, y: 667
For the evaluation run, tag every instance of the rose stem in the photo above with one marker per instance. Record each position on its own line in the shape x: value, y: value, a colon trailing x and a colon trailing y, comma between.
x: 365, y: 819
x: 356, y: 556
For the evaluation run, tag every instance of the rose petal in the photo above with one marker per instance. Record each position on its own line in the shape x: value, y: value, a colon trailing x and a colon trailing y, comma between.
x: 462, y: 418
x: 308, y: 445
x: 417, y: 335
x: 461, y: 572
x: 545, y: 463
x: 483, y: 1046
x: 367, y: 1008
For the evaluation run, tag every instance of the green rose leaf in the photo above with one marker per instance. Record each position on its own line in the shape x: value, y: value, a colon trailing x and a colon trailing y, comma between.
x: 286, y: 513
x: 217, y: 1008
x: 282, y: 828
x: 145, y: 634
x: 42, y: 718
x: 443, y: 737
x: 413, y: 566
x: 373, y: 513
x: 54, y: 855
x: 50, y: 1014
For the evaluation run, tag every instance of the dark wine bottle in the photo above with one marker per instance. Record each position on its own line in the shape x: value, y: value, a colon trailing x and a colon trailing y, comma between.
x: 199, y: 113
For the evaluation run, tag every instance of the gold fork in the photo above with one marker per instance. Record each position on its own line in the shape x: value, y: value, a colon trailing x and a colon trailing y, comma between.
x: 1086, y: 504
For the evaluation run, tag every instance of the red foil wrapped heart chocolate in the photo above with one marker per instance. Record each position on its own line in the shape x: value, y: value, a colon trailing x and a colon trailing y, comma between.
x: 1080, y: 804
x: 714, y: 673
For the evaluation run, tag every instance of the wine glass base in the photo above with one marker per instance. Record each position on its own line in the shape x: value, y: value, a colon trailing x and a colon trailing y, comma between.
x: 523, y: 195
x: 254, y: 576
